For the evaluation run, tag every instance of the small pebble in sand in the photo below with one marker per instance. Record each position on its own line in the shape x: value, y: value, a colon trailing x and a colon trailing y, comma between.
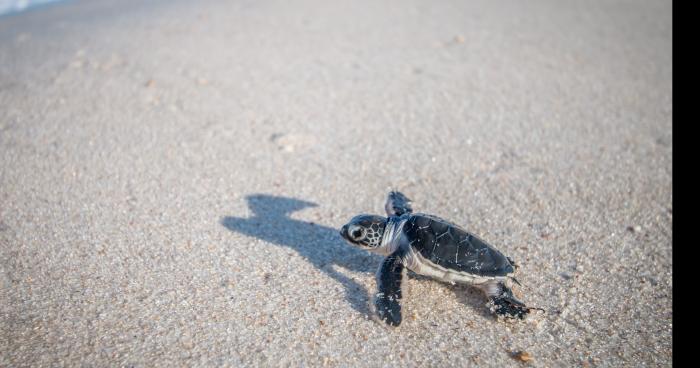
x: 634, y: 229
x: 292, y: 142
x: 523, y: 356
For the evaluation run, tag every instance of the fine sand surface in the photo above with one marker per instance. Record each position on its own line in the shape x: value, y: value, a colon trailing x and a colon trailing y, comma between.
x: 173, y: 175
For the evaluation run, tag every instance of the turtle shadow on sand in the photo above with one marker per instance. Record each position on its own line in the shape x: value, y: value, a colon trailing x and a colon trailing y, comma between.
x: 466, y: 295
x: 322, y: 246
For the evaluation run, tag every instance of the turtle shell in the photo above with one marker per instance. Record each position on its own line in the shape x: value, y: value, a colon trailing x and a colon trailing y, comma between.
x: 449, y: 246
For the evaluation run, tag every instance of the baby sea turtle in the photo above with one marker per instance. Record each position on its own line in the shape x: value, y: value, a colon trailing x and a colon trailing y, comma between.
x: 430, y: 246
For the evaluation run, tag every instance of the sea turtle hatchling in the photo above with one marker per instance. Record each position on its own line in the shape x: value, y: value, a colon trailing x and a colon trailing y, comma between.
x: 430, y: 246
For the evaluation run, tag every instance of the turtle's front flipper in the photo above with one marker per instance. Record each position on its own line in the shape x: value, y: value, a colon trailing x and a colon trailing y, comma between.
x: 397, y: 204
x: 389, y: 294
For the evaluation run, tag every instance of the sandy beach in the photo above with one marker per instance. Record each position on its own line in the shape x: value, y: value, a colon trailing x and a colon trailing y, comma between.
x: 173, y: 176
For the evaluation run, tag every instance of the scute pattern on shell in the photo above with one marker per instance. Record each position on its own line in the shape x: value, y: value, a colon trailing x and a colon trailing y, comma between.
x: 449, y: 246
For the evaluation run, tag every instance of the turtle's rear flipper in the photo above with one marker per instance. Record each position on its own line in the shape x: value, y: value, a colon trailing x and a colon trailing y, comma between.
x: 509, y: 308
x: 505, y: 304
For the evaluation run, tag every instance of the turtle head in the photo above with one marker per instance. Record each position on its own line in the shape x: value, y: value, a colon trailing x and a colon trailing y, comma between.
x: 364, y: 231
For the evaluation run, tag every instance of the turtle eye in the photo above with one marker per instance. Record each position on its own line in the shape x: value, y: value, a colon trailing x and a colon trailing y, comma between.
x: 357, y: 233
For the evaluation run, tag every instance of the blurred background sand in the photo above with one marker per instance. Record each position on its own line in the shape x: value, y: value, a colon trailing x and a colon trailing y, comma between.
x: 172, y: 175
